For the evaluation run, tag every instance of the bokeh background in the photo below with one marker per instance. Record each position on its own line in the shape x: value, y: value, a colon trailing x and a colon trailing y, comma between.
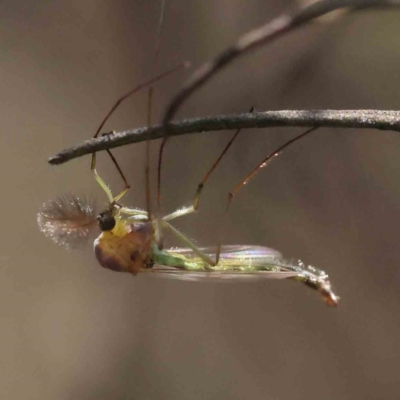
x: 72, y: 330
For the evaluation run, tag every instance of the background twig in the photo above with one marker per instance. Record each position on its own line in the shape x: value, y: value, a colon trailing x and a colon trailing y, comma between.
x: 369, y: 119
x: 261, y: 36
x: 250, y: 41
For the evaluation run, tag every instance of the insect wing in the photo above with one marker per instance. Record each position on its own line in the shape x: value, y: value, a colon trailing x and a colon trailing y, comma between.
x: 226, y: 276
x: 236, y: 263
x: 238, y: 255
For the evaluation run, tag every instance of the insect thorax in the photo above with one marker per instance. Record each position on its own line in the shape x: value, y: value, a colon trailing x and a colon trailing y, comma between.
x: 126, y: 248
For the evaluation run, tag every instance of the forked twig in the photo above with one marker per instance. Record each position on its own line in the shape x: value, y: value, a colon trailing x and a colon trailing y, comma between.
x: 262, y: 36
x: 361, y: 119
x: 385, y: 120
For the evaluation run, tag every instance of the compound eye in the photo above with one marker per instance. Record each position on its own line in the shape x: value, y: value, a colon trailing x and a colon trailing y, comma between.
x: 106, y: 221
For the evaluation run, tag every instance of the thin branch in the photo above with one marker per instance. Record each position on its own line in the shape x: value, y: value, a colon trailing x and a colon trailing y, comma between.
x: 367, y: 119
x: 259, y: 37
x: 385, y: 120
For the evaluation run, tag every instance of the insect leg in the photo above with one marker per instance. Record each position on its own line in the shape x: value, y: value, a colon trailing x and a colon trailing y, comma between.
x: 192, y: 208
x: 113, y: 108
x: 257, y: 168
x: 100, y: 180
x: 133, y: 212
x: 266, y: 162
x: 187, y: 242
x: 156, y: 233
x: 195, y: 204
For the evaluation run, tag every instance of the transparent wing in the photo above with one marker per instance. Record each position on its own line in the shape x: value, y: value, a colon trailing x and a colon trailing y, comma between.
x: 220, y: 276
x: 234, y: 255
x: 240, y: 263
x: 236, y: 263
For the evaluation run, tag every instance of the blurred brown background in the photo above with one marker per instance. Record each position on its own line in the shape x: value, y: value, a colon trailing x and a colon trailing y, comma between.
x: 72, y: 330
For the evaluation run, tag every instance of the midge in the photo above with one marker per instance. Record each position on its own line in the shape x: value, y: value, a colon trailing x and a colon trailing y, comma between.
x: 131, y: 240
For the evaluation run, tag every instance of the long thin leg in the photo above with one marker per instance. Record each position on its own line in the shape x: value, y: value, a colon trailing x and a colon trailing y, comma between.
x: 136, y: 89
x: 160, y: 158
x: 112, y: 199
x: 265, y: 162
x: 156, y: 231
x: 195, y: 205
x: 113, y: 108
x: 157, y: 48
x: 231, y: 194
x: 133, y: 211
x: 100, y: 180
x: 214, y: 166
x: 187, y: 242
x: 147, y: 162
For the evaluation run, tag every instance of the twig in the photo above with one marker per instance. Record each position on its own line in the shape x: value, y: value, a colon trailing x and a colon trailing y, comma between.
x: 385, y: 120
x: 367, y: 119
x: 258, y: 37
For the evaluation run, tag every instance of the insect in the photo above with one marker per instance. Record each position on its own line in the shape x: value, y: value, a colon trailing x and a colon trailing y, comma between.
x: 131, y: 240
